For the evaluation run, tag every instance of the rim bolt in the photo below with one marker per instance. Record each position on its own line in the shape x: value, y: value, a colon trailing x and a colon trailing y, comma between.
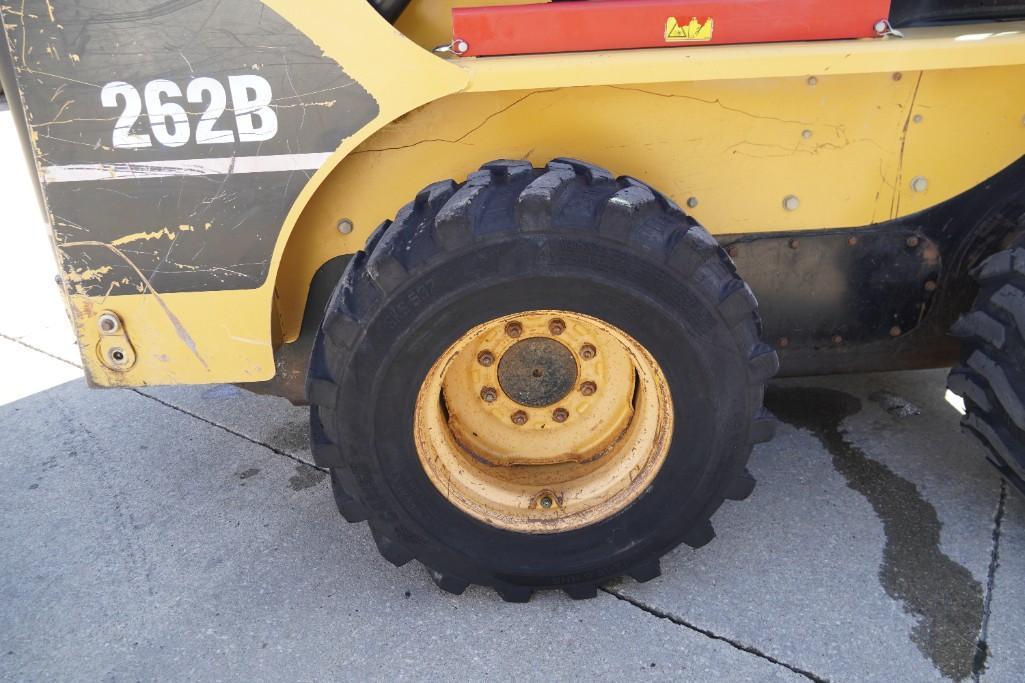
x: 556, y: 327
x: 489, y: 394
x: 486, y: 358
x: 546, y: 502
x: 588, y: 388
x: 560, y: 415
x: 587, y: 351
x: 519, y: 418
x: 514, y: 329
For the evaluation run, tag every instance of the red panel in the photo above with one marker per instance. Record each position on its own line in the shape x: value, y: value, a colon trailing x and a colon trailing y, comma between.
x: 615, y: 24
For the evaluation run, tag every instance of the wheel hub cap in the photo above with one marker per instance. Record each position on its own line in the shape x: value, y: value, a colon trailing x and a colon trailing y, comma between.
x: 537, y: 372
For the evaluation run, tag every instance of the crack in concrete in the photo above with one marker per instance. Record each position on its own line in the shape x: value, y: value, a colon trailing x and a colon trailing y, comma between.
x: 231, y: 431
x: 942, y: 596
x: 748, y: 649
x: 982, y: 647
x: 28, y: 346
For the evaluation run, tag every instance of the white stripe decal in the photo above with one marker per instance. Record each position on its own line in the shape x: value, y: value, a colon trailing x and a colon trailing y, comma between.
x: 186, y: 167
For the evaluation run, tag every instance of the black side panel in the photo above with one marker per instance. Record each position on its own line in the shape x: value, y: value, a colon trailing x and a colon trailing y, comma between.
x: 879, y: 298
x: 912, y: 12
x: 173, y: 136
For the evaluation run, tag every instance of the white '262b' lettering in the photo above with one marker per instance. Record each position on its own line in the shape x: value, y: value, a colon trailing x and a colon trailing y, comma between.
x: 168, y: 122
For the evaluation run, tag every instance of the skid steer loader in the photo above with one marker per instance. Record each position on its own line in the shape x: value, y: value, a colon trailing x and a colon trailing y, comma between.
x: 510, y: 252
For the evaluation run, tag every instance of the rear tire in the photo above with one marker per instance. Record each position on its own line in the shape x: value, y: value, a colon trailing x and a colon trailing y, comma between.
x: 514, y: 238
x: 991, y: 375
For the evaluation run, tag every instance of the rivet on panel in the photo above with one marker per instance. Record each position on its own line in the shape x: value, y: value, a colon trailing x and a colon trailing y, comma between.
x: 692, y: 203
x: 918, y: 118
x: 920, y: 184
x: 812, y: 81
x: 345, y: 226
x: 791, y: 203
x: 806, y: 134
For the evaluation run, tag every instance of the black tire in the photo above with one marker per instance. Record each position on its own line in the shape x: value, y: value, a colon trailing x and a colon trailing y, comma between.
x: 991, y: 375
x: 514, y: 238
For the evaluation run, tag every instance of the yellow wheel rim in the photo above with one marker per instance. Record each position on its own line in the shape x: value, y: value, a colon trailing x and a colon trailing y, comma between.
x: 543, y: 422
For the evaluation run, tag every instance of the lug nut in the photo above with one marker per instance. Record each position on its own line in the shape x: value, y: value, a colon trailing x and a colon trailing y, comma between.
x: 560, y: 414
x: 588, y: 388
x: 519, y: 418
x: 930, y: 286
x: 546, y: 502
x: 486, y: 358
x: 489, y: 394
x: 587, y: 352
x: 794, y: 244
x: 895, y: 331
x: 732, y: 251
x: 556, y: 327
x: 837, y: 339
x: 514, y: 329
x: 912, y: 242
x: 782, y: 342
x: 852, y: 241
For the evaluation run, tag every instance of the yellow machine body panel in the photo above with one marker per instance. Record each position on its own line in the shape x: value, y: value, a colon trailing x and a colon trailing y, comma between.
x: 753, y: 139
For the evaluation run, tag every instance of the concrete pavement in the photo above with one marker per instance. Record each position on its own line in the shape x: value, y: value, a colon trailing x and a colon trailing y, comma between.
x: 181, y: 533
